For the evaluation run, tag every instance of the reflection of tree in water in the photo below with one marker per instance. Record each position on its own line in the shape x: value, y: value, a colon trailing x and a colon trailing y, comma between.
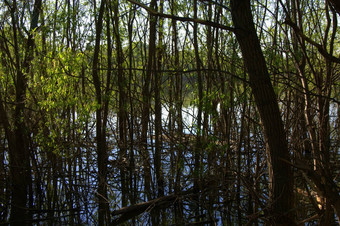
x: 169, y: 112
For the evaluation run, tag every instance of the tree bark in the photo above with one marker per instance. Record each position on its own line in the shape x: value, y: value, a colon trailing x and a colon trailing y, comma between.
x: 158, y: 111
x: 146, y: 95
x: 122, y: 112
x: 277, y: 147
x: 336, y: 5
x: 198, y: 148
x: 19, y: 156
x: 100, y: 141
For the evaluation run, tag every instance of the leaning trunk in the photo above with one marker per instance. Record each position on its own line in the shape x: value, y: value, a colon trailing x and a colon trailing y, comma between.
x: 281, y: 186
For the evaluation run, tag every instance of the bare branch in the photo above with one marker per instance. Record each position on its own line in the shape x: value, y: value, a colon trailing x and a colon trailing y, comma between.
x: 184, y: 19
x: 320, y: 48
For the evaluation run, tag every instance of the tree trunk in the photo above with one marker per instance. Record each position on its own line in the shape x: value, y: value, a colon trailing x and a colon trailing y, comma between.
x: 158, y: 111
x: 146, y: 95
x: 131, y: 90
x: 122, y: 113
x: 198, y: 148
x: 280, y: 172
x: 336, y: 5
x: 19, y: 157
x: 100, y: 140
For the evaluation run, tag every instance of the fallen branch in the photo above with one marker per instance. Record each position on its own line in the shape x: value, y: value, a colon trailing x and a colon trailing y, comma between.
x: 129, y: 212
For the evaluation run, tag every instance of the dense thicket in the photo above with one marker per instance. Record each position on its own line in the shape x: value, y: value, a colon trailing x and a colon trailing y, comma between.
x: 169, y: 112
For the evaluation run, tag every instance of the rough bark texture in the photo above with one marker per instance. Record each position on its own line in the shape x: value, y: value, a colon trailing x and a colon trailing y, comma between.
x: 265, y: 98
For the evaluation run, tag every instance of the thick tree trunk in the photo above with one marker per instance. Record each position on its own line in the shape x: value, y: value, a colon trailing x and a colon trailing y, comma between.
x: 280, y: 172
